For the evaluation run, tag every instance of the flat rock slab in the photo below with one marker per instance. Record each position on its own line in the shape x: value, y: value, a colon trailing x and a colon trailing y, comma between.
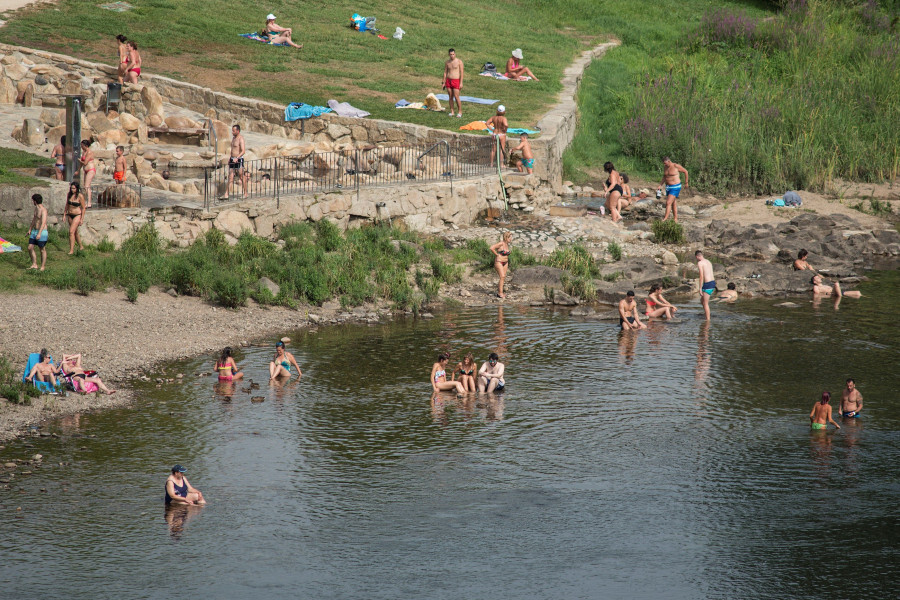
x: 560, y: 210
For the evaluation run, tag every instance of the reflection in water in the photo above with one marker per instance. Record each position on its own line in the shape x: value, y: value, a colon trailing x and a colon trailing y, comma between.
x: 499, y: 341
x: 820, y: 441
x: 704, y: 360
x: 224, y: 390
x: 70, y: 424
x: 177, y: 517
x: 627, y: 345
x: 818, y: 298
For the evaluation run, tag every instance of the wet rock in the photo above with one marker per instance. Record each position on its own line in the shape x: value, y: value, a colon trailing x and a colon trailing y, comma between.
x: 538, y: 275
x: 426, y: 315
x: 611, y: 292
x: 669, y: 258
x: 787, y: 305
x: 10, y: 465
x: 37, y: 457
x: 561, y: 298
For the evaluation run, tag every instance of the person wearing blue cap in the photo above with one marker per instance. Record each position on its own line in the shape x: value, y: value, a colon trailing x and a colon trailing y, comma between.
x: 179, y: 491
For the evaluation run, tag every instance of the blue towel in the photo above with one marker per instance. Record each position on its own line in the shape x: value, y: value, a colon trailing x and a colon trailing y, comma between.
x: 33, y: 359
x: 401, y: 104
x: 255, y: 37
x: 471, y: 99
x: 297, y: 110
x: 520, y: 131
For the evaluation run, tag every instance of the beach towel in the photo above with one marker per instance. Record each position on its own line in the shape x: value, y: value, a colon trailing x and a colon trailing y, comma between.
x: 520, y: 131
x: 503, y: 77
x: 415, y: 105
x: 471, y: 99
x: 33, y: 359
x: 344, y: 109
x: 8, y: 247
x: 256, y: 38
x: 297, y: 110
x: 432, y: 103
x: 78, y: 384
x: 474, y: 126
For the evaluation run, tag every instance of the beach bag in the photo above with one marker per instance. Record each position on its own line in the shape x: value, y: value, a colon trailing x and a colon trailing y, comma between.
x: 489, y: 67
x: 398, y: 35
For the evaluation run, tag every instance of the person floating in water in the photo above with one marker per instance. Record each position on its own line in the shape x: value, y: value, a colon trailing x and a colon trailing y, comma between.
x: 281, y: 364
x: 490, y: 375
x: 820, y: 416
x: 820, y: 289
x: 179, y: 491
x: 851, y: 400
x: 227, y: 368
x: 439, y: 381
x: 729, y: 295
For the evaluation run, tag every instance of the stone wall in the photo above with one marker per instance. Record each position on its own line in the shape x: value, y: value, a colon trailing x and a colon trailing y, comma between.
x: 420, y: 208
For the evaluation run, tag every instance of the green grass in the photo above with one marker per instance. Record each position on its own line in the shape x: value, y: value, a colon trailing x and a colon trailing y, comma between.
x: 16, y: 159
x: 667, y: 232
x: 11, y: 386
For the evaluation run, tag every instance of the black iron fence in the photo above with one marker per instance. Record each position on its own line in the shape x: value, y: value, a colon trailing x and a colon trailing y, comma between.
x: 109, y: 194
x: 345, y: 170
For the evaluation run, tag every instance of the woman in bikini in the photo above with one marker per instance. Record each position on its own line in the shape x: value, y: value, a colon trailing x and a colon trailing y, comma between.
x: 59, y: 157
x: 466, y: 372
x: 71, y: 365
x: 657, y: 306
x: 88, y: 169
x: 613, y: 191
x: 123, y: 56
x: 276, y: 34
x: 281, y: 364
x: 227, y: 368
x: 501, y: 262
x: 75, y: 214
x: 439, y: 381
x: 133, y: 68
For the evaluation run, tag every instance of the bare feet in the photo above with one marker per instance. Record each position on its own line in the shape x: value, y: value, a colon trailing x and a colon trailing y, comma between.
x: 110, y: 392
x: 33, y: 266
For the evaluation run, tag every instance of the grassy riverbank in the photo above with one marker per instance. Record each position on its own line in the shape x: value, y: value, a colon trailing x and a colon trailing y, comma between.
x: 749, y: 102
x: 16, y: 159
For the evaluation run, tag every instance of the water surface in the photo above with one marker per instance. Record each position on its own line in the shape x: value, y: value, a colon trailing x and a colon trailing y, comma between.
x: 676, y: 463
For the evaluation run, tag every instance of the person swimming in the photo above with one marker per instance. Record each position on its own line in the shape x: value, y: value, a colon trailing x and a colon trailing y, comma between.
x: 281, y: 364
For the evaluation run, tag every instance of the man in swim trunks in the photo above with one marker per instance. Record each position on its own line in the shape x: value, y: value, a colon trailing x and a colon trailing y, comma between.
x: 452, y: 81
x: 490, y: 375
x: 236, y: 162
x: 120, y: 168
x: 629, y: 315
x: 498, y: 125
x: 59, y: 156
x: 38, y: 232
x: 820, y: 416
x: 729, y: 295
x: 526, y: 164
x: 672, y: 181
x: 708, y: 285
x: 851, y: 400
x: 820, y: 289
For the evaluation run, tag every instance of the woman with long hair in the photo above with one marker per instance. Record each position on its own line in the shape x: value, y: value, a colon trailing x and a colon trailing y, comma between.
x: 88, y: 169
x: 501, y: 261
x: 466, y: 372
x: 226, y: 368
x: 821, y: 416
x: 613, y: 191
x: 439, y: 381
x: 657, y: 306
x: 74, y: 215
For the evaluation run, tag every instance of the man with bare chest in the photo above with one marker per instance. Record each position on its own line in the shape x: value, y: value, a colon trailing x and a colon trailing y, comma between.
x: 452, y: 82
x: 236, y: 162
x: 672, y: 180
x: 851, y: 400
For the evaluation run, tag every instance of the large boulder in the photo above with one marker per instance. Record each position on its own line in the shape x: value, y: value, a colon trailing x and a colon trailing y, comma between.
x: 8, y: 91
x: 31, y: 133
x: 753, y: 249
x: 53, y: 117
x: 538, y: 276
x: 119, y: 196
x: 181, y: 123
x: 152, y: 101
x: 232, y: 222
x: 129, y: 122
x: 611, y: 292
x: 99, y: 122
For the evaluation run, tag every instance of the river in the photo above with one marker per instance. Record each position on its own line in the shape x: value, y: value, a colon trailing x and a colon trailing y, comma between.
x: 675, y: 463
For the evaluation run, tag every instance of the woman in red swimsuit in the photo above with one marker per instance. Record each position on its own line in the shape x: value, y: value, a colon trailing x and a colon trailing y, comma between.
x: 123, y: 56
x: 88, y: 170
x: 657, y: 306
x: 134, y: 62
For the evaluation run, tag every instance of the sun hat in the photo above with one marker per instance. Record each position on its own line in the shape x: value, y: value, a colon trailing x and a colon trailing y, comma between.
x: 179, y: 469
x: 501, y: 108
x: 270, y: 17
x: 517, y: 53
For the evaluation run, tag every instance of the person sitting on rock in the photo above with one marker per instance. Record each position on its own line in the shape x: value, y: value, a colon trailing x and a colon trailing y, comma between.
x: 276, y: 34
x: 800, y: 264
x: 820, y: 289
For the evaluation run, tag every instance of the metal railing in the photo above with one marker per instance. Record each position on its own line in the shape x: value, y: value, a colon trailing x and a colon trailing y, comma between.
x: 109, y: 194
x: 350, y: 170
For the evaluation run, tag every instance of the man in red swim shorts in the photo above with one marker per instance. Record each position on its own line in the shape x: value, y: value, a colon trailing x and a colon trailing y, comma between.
x: 452, y: 82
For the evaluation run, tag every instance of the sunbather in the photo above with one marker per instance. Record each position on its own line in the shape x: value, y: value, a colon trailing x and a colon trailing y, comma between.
x: 515, y: 70
x: 71, y: 365
x: 44, y: 371
x: 276, y: 34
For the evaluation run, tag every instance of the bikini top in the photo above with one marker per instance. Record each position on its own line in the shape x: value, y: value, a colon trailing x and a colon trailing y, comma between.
x: 223, y: 367
x: 70, y: 203
x: 440, y: 373
x: 504, y: 252
x: 469, y: 372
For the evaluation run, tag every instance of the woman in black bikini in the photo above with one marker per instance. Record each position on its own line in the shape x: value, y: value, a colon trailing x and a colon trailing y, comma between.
x: 75, y: 214
x: 501, y: 263
x: 613, y: 191
x: 466, y: 372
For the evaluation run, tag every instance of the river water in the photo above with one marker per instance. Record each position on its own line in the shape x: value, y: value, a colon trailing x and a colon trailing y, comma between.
x: 675, y: 463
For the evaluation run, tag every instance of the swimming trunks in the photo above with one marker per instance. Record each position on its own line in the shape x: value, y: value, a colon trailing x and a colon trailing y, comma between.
x: 38, y: 239
x: 630, y: 321
x: 673, y: 190
x: 817, y: 426
x: 850, y: 414
x: 119, y: 175
x: 709, y: 287
x: 528, y: 163
x: 453, y: 84
x: 180, y: 491
x: 236, y: 163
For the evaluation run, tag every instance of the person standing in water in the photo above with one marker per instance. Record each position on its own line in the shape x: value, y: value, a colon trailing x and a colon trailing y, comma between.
x: 180, y: 491
x: 851, y: 400
x: 707, y: 279
x: 281, y: 364
x: 501, y: 261
x: 820, y: 416
x: 439, y: 381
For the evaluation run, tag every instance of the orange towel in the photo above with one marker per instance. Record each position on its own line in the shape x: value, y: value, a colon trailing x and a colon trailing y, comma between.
x: 475, y: 126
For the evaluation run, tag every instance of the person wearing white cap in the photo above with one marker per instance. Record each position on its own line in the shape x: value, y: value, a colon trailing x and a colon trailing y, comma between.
x: 276, y: 34
x: 498, y: 125
x: 515, y: 70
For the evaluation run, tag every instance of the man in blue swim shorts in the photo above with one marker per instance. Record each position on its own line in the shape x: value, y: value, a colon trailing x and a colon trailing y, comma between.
x: 851, y: 400
x: 672, y: 182
x: 38, y: 231
x: 707, y: 281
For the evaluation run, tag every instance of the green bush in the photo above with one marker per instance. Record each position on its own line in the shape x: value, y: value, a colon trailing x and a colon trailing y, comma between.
x: 328, y: 236
x: 105, y: 246
x: 575, y: 259
x: 580, y: 287
x: 518, y: 258
x: 230, y: 290
x: 145, y: 240
x: 430, y: 286
x: 445, y: 272
x: 11, y: 386
x: 615, y: 250
x: 131, y: 292
x: 86, y: 281
x: 667, y: 232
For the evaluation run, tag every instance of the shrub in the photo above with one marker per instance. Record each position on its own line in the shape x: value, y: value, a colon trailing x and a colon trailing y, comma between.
x: 445, y: 272
x: 575, y: 259
x: 230, y: 290
x: 105, y: 246
x: 145, y: 240
x: 263, y: 296
x: 328, y: 236
x: 518, y: 258
x: 11, y: 386
x: 615, y: 250
x: 131, y: 292
x: 86, y: 281
x: 667, y: 232
x: 580, y: 287
x: 430, y: 286
x: 214, y: 238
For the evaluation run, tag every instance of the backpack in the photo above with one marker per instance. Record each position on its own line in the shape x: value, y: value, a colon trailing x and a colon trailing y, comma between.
x: 489, y: 67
